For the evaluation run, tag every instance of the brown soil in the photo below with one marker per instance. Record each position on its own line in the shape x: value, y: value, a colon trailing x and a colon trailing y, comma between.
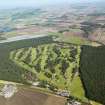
x: 32, y: 97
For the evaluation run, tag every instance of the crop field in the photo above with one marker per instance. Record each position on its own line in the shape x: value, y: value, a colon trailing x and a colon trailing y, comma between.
x: 31, y: 96
x: 54, y: 65
x: 92, y: 68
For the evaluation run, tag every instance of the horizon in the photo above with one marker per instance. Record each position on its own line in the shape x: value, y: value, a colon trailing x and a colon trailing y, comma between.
x: 37, y: 3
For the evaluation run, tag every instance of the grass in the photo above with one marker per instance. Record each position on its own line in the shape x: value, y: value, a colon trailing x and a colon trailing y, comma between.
x: 54, y: 34
x: 33, y: 55
x: 61, y: 37
x: 77, y: 89
x: 95, y: 103
x: 75, y: 40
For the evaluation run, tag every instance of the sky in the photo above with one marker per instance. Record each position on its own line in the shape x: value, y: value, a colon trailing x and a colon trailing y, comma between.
x: 25, y: 3
x: 13, y: 3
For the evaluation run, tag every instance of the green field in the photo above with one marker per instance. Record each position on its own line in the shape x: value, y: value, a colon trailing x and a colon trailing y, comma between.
x: 73, y: 39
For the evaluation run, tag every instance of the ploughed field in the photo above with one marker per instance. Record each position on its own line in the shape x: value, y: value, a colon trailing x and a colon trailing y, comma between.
x: 30, y: 96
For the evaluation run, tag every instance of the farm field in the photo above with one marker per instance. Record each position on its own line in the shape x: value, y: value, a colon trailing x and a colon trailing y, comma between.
x: 75, y: 21
x: 26, y: 95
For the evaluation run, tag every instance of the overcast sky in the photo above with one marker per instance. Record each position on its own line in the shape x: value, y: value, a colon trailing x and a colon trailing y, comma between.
x: 25, y: 3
